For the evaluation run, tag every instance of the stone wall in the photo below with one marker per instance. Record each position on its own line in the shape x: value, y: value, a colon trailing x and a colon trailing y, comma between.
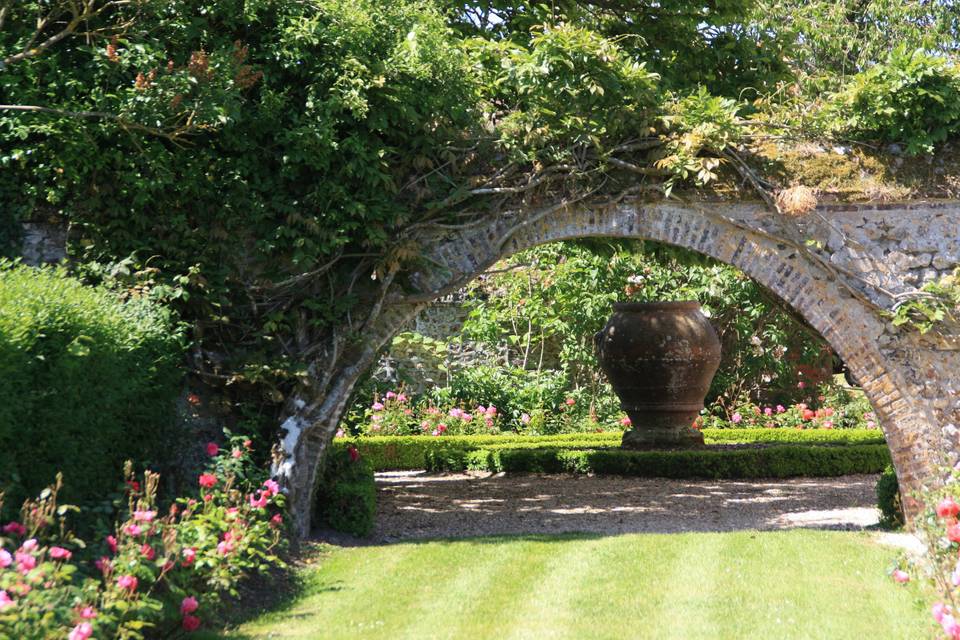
x: 43, y: 243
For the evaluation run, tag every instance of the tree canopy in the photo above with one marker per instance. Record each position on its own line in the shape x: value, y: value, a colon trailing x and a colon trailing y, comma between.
x: 268, y: 167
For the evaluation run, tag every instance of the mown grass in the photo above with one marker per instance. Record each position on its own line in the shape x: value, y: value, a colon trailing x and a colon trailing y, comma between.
x: 795, y: 584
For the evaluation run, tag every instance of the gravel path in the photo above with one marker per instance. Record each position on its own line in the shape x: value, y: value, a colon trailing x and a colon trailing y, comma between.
x: 421, y: 505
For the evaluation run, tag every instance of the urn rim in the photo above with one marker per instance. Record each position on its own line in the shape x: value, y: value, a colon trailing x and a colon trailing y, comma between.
x: 662, y: 305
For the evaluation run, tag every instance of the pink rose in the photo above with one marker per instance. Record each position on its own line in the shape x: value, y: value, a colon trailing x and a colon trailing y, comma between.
x: 801, y: 385
x: 491, y: 410
x: 901, y: 576
x: 377, y: 406
x: 261, y: 501
x: 147, y: 552
x: 276, y: 520
x: 133, y: 530
x: 88, y: 613
x: 127, y: 583
x: 103, y: 564
x: 29, y: 545
x: 189, y: 555
x: 144, y: 516
x: 626, y: 421
x: 6, y: 600
x: 570, y: 402
x: 15, y: 528
x: 207, y: 480
x: 81, y: 632
x: 59, y: 553
x: 212, y: 449
x: 25, y: 562
x: 272, y: 486
x: 5, y: 559
x: 391, y: 395
x: 938, y: 610
x: 767, y: 411
x: 401, y: 397
x: 953, y: 532
x: 736, y: 418
x: 112, y: 543
x: 224, y: 547
x: 781, y: 409
x: 236, y: 453
x: 188, y: 605
x: 466, y: 417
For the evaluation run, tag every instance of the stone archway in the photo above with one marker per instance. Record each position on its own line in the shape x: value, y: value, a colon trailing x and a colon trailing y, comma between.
x: 834, y: 267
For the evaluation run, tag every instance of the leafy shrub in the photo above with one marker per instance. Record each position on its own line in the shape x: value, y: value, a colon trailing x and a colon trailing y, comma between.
x: 912, y: 98
x: 156, y: 574
x: 347, y: 498
x: 88, y: 382
x: 888, y: 499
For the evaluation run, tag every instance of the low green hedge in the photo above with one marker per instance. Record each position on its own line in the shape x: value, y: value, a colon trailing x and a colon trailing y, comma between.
x: 347, y: 495
x: 451, y: 452
x: 766, y: 462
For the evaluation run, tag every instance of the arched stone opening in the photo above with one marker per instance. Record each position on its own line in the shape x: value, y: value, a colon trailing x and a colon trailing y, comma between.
x: 833, y: 295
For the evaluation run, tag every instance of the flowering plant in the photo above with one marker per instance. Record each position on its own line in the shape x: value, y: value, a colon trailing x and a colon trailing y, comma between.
x: 161, y: 572
x: 939, y: 529
x: 833, y: 411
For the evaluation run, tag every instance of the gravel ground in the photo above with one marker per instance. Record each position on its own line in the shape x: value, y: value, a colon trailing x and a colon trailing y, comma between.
x: 421, y: 505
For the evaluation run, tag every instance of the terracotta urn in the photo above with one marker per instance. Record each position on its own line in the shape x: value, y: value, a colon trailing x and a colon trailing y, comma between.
x: 660, y: 358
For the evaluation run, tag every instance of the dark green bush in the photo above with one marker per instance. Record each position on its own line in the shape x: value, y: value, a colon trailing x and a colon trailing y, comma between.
x: 912, y: 98
x: 88, y: 381
x: 451, y: 452
x: 888, y: 499
x: 347, y: 496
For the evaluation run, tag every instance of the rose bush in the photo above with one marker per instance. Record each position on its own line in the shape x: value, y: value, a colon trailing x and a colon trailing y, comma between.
x: 161, y: 572
x: 399, y: 413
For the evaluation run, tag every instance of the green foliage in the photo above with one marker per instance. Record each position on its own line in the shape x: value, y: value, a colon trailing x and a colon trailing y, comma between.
x: 938, y: 303
x: 912, y: 98
x: 568, y: 87
x: 450, y: 452
x: 347, y: 496
x: 704, y: 123
x: 89, y: 381
x: 888, y: 499
x: 767, y: 462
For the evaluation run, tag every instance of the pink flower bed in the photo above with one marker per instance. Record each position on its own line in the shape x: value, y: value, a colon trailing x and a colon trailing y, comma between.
x: 160, y: 574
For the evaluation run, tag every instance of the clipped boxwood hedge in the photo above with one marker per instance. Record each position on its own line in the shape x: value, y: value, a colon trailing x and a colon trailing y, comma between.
x: 347, y: 494
x: 452, y: 452
x: 767, y: 462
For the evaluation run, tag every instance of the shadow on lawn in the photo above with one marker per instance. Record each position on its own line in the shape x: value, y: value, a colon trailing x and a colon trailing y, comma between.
x: 422, y: 506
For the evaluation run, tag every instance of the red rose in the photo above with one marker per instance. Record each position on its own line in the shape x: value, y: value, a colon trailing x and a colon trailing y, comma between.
x: 947, y: 508
x: 354, y: 454
x: 208, y: 480
x: 191, y: 623
x: 212, y: 449
x: 808, y: 414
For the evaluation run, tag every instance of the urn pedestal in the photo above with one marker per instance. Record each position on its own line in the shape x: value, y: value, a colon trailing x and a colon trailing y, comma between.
x: 660, y: 358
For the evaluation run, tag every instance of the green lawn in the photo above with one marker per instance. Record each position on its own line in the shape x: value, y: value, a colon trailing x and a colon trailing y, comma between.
x: 796, y: 584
